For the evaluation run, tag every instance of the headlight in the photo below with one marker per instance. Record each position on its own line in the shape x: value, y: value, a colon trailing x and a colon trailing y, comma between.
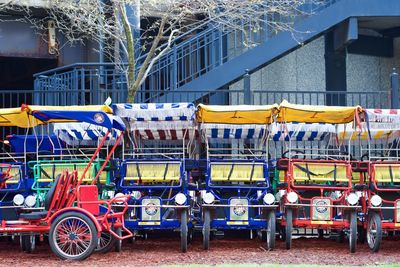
x: 180, y: 199
x: 30, y: 201
x: 352, y: 199
x: 18, y: 200
x: 292, y: 197
x: 119, y: 195
x: 376, y: 200
x: 269, y: 199
x: 208, y: 198
x: 136, y: 195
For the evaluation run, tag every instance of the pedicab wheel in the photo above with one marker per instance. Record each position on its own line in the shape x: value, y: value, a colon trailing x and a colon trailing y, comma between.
x: 184, y: 231
x: 106, y: 242
x: 28, y: 243
x: 374, y: 232
x: 206, y: 230
x: 288, y: 228
x: 118, y: 242
x: 353, y: 232
x: 271, y: 230
x: 73, y: 236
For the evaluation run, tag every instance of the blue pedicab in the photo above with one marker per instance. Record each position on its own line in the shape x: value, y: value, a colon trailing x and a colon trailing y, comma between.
x: 237, y: 192
x: 153, y: 168
x: 68, y: 202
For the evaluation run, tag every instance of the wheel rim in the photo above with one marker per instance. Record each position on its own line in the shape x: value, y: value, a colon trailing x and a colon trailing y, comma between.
x: 104, y: 240
x: 72, y: 237
x: 372, y: 232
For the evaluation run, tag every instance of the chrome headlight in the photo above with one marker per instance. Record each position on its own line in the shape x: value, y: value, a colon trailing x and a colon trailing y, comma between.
x: 136, y: 195
x: 292, y: 197
x: 18, y: 200
x: 180, y: 199
x: 376, y: 200
x: 30, y: 201
x: 119, y: 195
x: 269, y: 199
x: 208, y: 198
x: 352, y: 199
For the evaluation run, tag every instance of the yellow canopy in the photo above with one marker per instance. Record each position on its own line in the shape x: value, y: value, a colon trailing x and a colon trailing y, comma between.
x: 236, y: 114
x: 323, y: 114
x: 21, y: 117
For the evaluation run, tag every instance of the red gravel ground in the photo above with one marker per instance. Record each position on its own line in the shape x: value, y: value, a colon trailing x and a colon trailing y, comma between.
x: 165, y: 251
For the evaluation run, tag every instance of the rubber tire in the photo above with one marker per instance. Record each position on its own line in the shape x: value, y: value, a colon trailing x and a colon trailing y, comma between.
x: 378, y: 222
x: 206, y: 230
x: 184, y: 231
x: 353, y: 232
x: 107, y: 247
x: 320, y: 233
x: 271, y: 230
x: 28, y: 243
x: 84, y: 218
x: 288, y: 228
x: 118, y: 242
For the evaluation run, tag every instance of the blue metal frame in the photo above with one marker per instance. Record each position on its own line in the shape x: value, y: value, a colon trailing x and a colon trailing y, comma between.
x: 154, y: 192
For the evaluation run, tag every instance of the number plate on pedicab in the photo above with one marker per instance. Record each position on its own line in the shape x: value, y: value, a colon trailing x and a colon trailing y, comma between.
x: 320, y: 209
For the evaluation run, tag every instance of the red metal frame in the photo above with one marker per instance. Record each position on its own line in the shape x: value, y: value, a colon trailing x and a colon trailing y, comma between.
x: 341, y: 201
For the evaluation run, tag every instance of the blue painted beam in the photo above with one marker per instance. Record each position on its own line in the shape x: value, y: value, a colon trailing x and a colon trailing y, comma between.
x: 284, y: 43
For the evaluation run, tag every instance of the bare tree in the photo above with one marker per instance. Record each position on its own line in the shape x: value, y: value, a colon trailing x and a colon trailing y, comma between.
x: 107, y: 22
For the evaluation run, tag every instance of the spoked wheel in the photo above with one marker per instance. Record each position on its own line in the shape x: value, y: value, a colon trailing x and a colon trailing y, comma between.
x: 374, y: 232
x: 73, y: 236
x: 28, y: 243
x: 118, y: 242
x: 271, y: 229
x: 288, y: 228
x: 106, y: 242
x: 184, y: 231
x: 206, y: 230
x: 353, y: 232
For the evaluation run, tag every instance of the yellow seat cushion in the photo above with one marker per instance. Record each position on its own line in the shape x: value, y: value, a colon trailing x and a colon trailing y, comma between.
x: 237, y: 172
x: 153, y: 172
x: 319, y: 172
x: 382, y: 173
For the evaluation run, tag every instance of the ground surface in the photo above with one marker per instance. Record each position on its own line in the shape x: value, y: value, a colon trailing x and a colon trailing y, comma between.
x: 164, y: 251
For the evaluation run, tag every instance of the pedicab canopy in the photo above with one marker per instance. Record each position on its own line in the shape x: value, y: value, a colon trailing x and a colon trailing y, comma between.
x: 31, y: 116
x: 317, y: 114
x: 378, y: 124
x: 236, y: 121
x: 236, y: 114
x: 161, y: 121
x: 297, y: 131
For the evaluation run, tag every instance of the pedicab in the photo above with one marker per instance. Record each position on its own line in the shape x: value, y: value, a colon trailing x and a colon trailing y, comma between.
x: 73, y: 217
x: 153, y: 170
x: 380, y: 162
x: 237, y: 193
x: 317, y: 192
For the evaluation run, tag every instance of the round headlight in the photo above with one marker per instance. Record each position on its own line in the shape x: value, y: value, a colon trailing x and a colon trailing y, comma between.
x: 18, y: 200
x: 119, y: 195
x: 269, y: 199
x: 352, y: 199
x: 292, y: 197
x: 136, y: 195
x: 376, y: 200
x: 180, y: 199
x: 30, y: 201
x: 208, y: 198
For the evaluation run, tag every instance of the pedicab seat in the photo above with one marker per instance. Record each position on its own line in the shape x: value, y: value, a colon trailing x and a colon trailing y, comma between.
x: 153, y: 172
x: 237, y: 172
x: 384, y: 173
x: 319, y: 172
x: 36, y: 215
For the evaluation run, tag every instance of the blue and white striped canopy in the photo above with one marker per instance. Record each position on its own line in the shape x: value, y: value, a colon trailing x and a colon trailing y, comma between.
x: 301, y: 131
x: 231, y: 131
x: 83, y: 134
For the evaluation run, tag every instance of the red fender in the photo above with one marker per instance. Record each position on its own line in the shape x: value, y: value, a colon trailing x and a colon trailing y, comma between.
x: 91, y: 216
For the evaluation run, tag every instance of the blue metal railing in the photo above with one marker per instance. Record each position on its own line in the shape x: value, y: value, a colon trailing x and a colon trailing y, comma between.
x: 192, y: 55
